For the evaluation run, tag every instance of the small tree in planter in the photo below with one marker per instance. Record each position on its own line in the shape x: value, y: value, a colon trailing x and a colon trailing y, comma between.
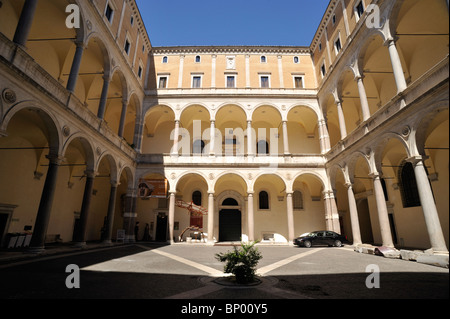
x: 241, y: 262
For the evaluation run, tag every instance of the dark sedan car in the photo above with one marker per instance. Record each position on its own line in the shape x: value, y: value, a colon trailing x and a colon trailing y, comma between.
x: 322, y: 237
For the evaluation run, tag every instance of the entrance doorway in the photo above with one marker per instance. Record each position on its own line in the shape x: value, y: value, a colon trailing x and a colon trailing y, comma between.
x: 230, y: 221
x: 161, y: 227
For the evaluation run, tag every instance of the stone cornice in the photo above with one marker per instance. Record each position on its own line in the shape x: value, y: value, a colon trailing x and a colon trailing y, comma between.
x: 232, y: 50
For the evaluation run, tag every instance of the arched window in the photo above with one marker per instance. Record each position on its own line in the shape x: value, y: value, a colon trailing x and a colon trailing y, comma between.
x: 165, y: 59
x: 198, y: 146
x: 263, y: 59
x: 197, y: 198
x: 408, y: 186
x: 263, y: 200
x: 262, y: 147
x: 298, y: 200
x: 197, y: 59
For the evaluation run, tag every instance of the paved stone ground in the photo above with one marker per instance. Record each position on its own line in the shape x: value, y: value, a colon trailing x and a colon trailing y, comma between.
x: 190, y: 275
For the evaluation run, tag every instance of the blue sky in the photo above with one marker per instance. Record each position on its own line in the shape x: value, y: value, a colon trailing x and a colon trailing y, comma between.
x: 231, y: 22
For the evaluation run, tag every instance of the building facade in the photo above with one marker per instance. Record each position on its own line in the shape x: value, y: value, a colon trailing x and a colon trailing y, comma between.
x: 348, y: 134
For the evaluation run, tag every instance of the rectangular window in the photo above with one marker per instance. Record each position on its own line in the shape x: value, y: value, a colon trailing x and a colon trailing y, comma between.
x: 359, y: 9
x: 337, y: 45
x: 196, y: 81
x: 265, y: 81
x: 127, y: 47
x: 322, y: 70
x: 231, y: 81
x: 162, y: 82
x: 109, y: 13
x: 298, y: 82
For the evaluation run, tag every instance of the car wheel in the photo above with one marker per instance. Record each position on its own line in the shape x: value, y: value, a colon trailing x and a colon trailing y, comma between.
x: 307, y: 244
x: 337, y: 243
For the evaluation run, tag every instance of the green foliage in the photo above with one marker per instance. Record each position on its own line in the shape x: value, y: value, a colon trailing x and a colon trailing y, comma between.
x: 241, y: 262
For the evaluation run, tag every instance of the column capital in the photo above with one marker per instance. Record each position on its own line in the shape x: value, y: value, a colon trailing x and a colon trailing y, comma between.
x: 90, y: 173
x: 348, y: 185
x: 375, y: 175
x: 55, y: 159
x: 250, y: 193
x: 416, y: 159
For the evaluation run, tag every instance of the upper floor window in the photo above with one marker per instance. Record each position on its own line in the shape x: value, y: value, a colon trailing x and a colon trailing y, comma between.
x: 165, y: 59
x: 320, y: 47
x: 263, y: 59
x: 337, y: 45
x: 263, y: 200
x: 197, y: 198
x: 231, y: 81
x: 262, y: 147
x: 265, y: 81
x: 109, y: 12
x: 298, y: 200
x: 140, y: 72
x: 359, y: 10
x: 162, y: 83
x: 198, y: 147
x: 334, y: 19
x: 196, y: 81
x: 127, y: 46
x: 408, y: 186
x: 197, y: 59
x: 132, y: 20
x: 296, y: 60
x: 323, y: 71
x: 298, y: 82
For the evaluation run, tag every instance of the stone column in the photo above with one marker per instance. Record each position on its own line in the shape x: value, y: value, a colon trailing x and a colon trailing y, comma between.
x: 74, y: 71
x: 212, y: 141
x: 285, y: 139
x: 324, y: 137
x: 250, y: 139
x: 129, y: 216
x: 25, y: 22
x: 110, y: 214
x: 331, y: 212
x: 175, y: 138
x: 363, y: 97
x: 342, y: 125
x: 250, y: 217
x: 171, y: 216
x: 290, y: 217
x: 354, y: 219
x: 211, y: 218
x: 80, y: 237
x: 123, y: 117
x: 37, y: 244
x: 103, y: 98
x: 385, y: 228
x: 430, y: 212
x: 396, y: 65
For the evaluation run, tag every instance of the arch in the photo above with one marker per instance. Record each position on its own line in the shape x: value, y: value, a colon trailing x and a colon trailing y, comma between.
x: 112, y: 166
x: 303, y: 124
x: 159, y: 122
x: 230, y: 179
x: 230, y: 104
x: 265, y: 105
x: 129, y: 175
x: 407, y: 21
x: 197, y: 105
x: 381, y: 147
x: 374, y: 63
x: 186, y: 174
x: 85, y: 146
x: 49, y: 120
